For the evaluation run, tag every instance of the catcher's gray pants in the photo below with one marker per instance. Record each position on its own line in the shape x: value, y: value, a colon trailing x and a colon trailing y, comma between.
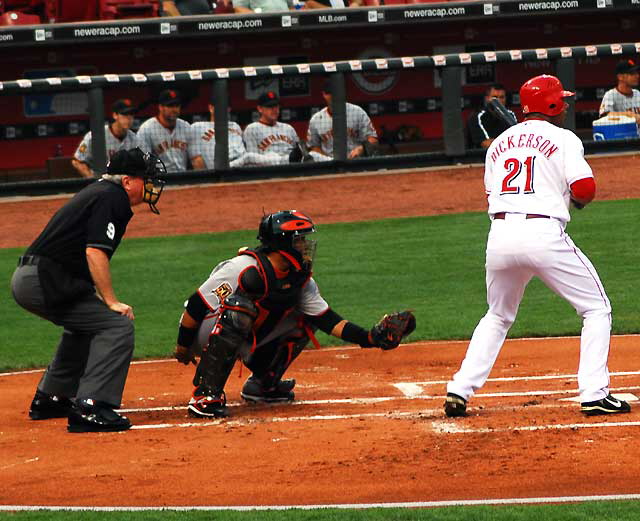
x: 94, y: 353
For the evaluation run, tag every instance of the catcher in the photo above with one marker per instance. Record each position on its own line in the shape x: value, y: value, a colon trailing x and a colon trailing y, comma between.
x: 262, y: 307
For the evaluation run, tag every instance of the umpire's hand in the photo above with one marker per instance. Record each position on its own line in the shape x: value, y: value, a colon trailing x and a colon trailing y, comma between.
x: 123, y: 309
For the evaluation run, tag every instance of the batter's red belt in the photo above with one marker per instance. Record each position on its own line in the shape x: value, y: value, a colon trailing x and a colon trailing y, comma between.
x: 501, y: 215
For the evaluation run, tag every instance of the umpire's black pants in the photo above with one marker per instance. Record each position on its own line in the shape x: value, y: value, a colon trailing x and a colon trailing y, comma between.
x: 94, y: 353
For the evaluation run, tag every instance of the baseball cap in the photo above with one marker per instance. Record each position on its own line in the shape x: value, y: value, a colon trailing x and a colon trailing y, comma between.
x: 128, y: 162
x: 626, y: 66
x: 268, y: 99
x: 169, y: 97
x: 123, y: 106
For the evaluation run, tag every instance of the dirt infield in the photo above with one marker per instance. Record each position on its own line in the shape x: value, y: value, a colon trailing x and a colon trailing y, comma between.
x: 367, y: 425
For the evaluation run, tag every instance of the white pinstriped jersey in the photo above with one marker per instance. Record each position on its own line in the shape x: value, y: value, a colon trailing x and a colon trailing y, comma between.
x: 170, y: 145
x: 84, y: 152
x: 529, y: 168
x: 204, y: 142
x: 279, y: 138
x: 359, y: 128
x: 614, y: 101
x: 223, y: 281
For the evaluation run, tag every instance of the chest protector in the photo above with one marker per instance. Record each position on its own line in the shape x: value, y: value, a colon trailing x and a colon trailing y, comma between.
x: 274, y: 297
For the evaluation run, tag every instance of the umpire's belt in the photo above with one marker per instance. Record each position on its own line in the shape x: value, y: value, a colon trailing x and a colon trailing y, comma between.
x: 28, y: 260
x: 501, y: 215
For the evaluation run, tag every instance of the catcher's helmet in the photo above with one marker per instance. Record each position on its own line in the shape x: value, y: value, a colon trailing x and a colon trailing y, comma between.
x: 280, y: 231
x: 544, y: 95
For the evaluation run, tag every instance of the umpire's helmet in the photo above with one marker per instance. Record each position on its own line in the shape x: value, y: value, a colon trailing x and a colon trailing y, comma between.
x: 136, y: 163
x: 544, y: 95
x: 285, y: 232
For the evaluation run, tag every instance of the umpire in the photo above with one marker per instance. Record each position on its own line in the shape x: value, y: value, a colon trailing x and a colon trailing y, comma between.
x: 64, y: 277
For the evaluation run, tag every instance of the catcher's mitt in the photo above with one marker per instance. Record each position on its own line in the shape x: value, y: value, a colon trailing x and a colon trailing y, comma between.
x: 388, y: 333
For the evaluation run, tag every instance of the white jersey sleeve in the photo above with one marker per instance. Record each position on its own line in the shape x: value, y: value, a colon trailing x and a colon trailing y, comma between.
x: 83, y: 152
x: 223, y: 280
x: 320, y: 132
x: 311, y: 302
x: 529, y: 168
x: 359, y: 126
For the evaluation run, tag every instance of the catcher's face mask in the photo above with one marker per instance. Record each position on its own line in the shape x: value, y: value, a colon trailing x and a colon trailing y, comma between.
x: 306, y: 247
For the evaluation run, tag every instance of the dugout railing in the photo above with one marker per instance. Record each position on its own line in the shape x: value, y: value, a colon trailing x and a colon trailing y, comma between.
x: 450, y: 68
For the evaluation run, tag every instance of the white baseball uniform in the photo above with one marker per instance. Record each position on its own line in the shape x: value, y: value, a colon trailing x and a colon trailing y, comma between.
x: 269, y: 144
x: 84, y: 152
x: 204, y: 142
x: 614, y: 101
x: 320, y: 132
x: 170, y: 145
x: 528, y: 171
x: 223, y: 281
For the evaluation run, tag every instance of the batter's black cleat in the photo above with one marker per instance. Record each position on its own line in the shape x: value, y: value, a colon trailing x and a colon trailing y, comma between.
x: 455, y: 406
x: 93, y: 416
x: 45, y: 406
x: 608, y: 405
x: 205, y: 404
x: 253, y: 391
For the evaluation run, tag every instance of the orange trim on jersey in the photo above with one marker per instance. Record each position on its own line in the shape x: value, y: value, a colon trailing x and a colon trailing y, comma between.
x: 292, y: 260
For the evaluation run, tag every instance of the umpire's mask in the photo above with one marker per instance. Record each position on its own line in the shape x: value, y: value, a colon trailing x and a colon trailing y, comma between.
x: 153, y: 185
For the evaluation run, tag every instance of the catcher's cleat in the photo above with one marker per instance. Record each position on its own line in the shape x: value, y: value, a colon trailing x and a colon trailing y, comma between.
x: 252, y: 391
x: 205, y: 404
x: 608, y: 405
x: 455, y: 406
x: 93, y: 416
x: 45, y: 406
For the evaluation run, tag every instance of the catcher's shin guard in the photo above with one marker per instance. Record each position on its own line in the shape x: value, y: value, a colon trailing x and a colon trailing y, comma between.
x: 232, y: 330
x: 269, y: 362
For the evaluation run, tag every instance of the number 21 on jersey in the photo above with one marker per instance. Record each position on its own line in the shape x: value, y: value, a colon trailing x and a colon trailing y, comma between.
x: 514, y: 167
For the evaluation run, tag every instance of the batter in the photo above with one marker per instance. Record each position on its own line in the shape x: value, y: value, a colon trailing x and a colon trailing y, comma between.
x: 532, y: 172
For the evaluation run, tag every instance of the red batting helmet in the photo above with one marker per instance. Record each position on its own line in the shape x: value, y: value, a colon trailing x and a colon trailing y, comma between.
x: 544, y: 94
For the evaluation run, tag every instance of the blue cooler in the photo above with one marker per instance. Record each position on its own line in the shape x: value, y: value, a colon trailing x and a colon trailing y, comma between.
x: 614, y: 127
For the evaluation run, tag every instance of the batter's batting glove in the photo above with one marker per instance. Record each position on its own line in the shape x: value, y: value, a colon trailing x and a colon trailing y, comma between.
x: 389, y: 332
x: 184, y: 355
x: 577, y: 205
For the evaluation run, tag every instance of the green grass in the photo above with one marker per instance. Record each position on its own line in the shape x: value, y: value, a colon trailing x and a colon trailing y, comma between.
x: 602, y: 511
x: 433, y: 265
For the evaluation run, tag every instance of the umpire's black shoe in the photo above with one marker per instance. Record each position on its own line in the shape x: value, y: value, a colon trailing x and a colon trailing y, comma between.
x: 455, y: 406
x: 45, y: 406
x: 253, y: 391
x: 93, y: 416
x: 608, y: 405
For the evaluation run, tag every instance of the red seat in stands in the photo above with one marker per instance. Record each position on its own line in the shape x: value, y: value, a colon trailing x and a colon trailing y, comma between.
x: 117, y: 9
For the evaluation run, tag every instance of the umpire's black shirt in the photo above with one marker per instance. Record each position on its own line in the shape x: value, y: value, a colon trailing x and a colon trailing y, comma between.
x: 95, y: 217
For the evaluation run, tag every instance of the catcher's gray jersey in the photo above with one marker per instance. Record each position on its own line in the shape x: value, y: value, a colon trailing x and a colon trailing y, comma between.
x: 204, y: 142
x: 279, y: 138
x: 614, y: 101
x: 84, y: 152
x: 359, y: 128
x: 170, y: 145
x: 223, y: 281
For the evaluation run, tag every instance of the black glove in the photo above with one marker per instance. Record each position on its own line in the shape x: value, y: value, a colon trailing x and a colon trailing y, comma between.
x: 388, y: 333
